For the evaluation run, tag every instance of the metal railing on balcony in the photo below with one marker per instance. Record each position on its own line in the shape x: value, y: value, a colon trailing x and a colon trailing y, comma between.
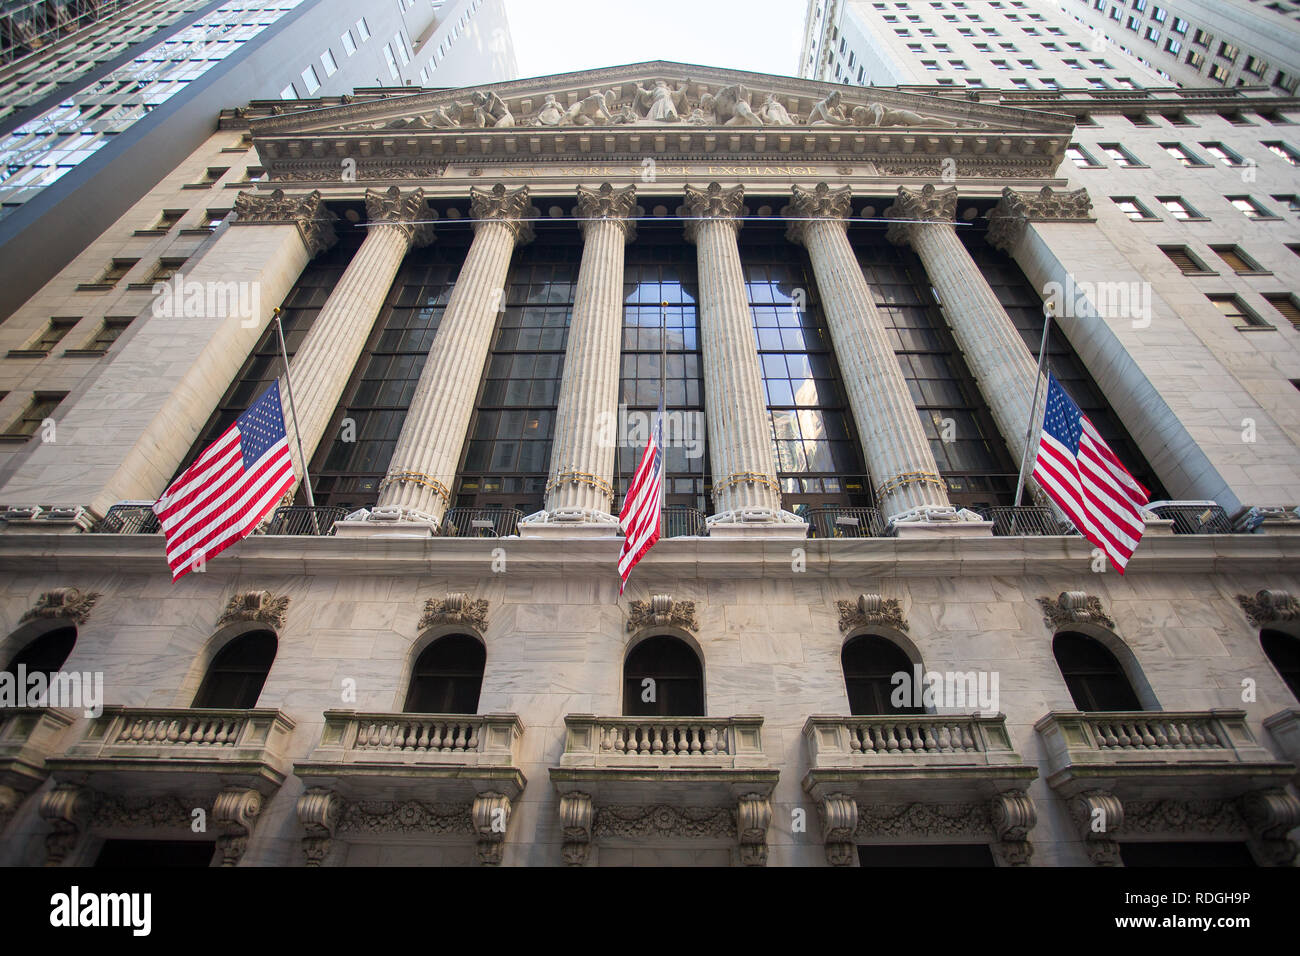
x: 1026, y: 521
x: 481, y: 522
x: 301, y: 520
x: 682, y: 522
x: 834, y: 522
x: 1193, y: 517
x: 129, y: 518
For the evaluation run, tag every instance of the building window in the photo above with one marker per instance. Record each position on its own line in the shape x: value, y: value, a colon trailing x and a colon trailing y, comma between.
x: 1225, y: 155
x: 447, y: 677
x: 168, y: 219
x: 1283, y: 651
x: 363, y: 29
x: 1238, y: 261
x: 349, y: 44
x: 108, y: 333
x: 1131, y: 207
x: 289, y: 93
x: 310, y: 81
x: 392, y: 62
x: 662, y: 677
x: 1218, y: 73
x: 869, y: 663
x: 235, y: 677
x: 1283, y: 151
x: 40, y: 408
x: 1251, y: 208
x: 46, y: 654
x: 1286, y: 305
x: 1178, y: 207
x: 210, y: 176
x: 1227, y: 51
x: 1081, y: 157
x: 1237, y: 312
x: 1120, y: 155
x: 213, y: 218
x: 1095, y: 678
x: 165, y: 269
x: 1185, y: 260
x: 51, y: 335
x: 1184, y: 155
x: 1290, y: 200
x: 116, y: 270
x: 331, y: 65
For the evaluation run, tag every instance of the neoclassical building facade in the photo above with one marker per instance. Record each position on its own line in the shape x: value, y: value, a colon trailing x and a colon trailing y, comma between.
x: 849, y: 646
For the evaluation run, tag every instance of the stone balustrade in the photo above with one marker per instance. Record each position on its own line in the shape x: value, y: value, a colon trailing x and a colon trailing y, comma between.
x: 464, y: 739
x: 668, y: 741
x: 1172, y: 737
x: 929, y: 738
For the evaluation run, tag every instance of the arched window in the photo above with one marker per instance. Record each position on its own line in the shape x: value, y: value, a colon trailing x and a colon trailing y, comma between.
x: 678, y: 680
x: 47, y: 653
x: 235, y: 677
x: 1095, y: 678
x: 1284, y: 651
x: 447, y: 677
x: 869, y: 663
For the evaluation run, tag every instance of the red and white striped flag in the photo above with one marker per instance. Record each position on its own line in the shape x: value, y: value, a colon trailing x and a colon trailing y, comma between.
x: 229, y: 489
x: 1080, y: 473
x: 642, y: 506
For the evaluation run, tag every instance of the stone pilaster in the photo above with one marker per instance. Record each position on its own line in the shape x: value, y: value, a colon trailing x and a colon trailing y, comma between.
x: 416, y: 491
x: 893, y: 440
x: 746, y: 495
x: 1016, y: 209
x: 995, y: 353
x: 579, y: 491
x: 322, y: 366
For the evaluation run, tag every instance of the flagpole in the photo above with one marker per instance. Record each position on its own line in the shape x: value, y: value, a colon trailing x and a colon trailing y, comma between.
x: 1048, y: 309
x: 663, y: 374
x: 293, y: 412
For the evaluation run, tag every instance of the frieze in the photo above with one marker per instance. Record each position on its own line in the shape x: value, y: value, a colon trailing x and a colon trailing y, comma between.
x: 126, y: 812
x: 408, y: 816
x: 925, y: 819
x: 664, y: 821
x: 1183, y: 816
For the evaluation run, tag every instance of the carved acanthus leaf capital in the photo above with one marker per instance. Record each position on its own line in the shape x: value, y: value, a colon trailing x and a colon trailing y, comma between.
x: 306, y: 211
x: 1268, y: 607
x: 606, y: 202
x: 820, y: 202
x: 662, y: 610
x: 913, y: 208
x: 262, y: 607
x: 1016, y: 209
x: 498, y: 204
x: 714, y: 202
x: 871, y: 610
x: 404, y: 210
x: 72, y: 604
x: 1074, y: 607
x: 456, y: 608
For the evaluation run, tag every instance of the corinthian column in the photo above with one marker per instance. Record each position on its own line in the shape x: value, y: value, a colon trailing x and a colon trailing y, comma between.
x: 908, y: 486
x: 415, y: 493
x: 997, y: 357
x: 579, y: 493
x: 322, y: 365
x: 746, y: 495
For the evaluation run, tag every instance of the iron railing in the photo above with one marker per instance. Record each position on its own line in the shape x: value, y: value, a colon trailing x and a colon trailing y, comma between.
x: 834, y: 522
x: 1026, y: 521
x: 1193, y: 517
x: 129, y: 519
x: 295, y: 519
x: 682, y: 522
x: 481, y: 522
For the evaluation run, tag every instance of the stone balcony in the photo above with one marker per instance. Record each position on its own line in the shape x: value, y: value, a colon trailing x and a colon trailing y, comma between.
x: 664, y: 779
x: 159, y: 767
x: 411, y: 774
x: 1144, y: 775
x: 28, y: 735
x: 922, y: 775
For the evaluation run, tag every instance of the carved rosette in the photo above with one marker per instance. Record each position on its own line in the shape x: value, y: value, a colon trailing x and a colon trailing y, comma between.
x: 714, y: 202
x: 1268, y: 607
x: 306, y: 211
x: 405, y: 211
x: 839, y: 816
x: 491, y: 815
x: 456, y: 609
x: 662, y: 610
x: 1099, y: 817
x: 871, y: 610
x: 70, y: 604
x: 1013, y: 815
x: 1016, y: 209
x: 498, y: 204
x: 1074, y: 607
x: 924, y: 206
x: 753, y: 817
x: 319, y: 810
x: 66, y: 808
x: 575, y: 825
x: 235, y: 811
x: 606, y: 202
x: 820, y: 202
x: 261, y: 607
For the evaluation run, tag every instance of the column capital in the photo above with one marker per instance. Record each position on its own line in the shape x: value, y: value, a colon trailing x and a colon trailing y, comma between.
x: 606, y: 202
x: 820, y: 202
x: 305, y: 210
x: 1017, y: 208
x: 498, y: 204
x: 406, y: 211
x: 714, y: 202
x: 925, y: 205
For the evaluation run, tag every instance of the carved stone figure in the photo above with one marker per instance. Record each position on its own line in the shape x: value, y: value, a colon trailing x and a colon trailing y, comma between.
x: 876, y: 114
x: 828, y: 112
x: 495, y: 112
x: 772, y: 113
x: 551, y: 113
x: 595, y: 110
x: 441, y: 119
x: 744, y: 116
x: 662, y: 103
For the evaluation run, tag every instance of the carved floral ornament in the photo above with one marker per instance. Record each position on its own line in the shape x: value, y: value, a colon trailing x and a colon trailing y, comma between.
x: 72, y: 604
x: 1074, y: 607
x: 262, y: 607
x: 456, y: 609
x: 1016, y: 209
x: 871, y: 610
x: 307, y: 211
x: 1269, y: 607
x: 662, y: 610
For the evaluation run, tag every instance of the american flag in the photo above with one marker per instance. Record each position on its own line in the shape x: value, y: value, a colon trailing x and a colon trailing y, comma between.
x: 641, y: 508
x: 229, y: 489
x: 1080, y: 473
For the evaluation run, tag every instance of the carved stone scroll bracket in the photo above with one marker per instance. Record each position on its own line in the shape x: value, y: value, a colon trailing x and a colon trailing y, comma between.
x: 1074, y: 607
x: 1099, y: 817
x: 839, y: 815
x: 1270, y: 815
x: 319, y: 811
x: 10, y: 800
x: 1013, y: 815
x: 575, y: 824
x: 662, y: 610
x: 67, y: 810
x: 753, y: 817
x: 1013, y: 213
x: 71, y: 604
x: 1269, y: 607
x: 871, y: 610
x: 235, y: 813
x: 456, y: 608
x: 491, y: 814
x: 261, y: 607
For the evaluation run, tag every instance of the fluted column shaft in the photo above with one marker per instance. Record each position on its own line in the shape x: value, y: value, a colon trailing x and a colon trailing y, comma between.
x: 584, y: 444
x: 997, y: 356
x: 423, y: 467
x: 740, y: 434
x: 893, y: 440
x: 323, y: 364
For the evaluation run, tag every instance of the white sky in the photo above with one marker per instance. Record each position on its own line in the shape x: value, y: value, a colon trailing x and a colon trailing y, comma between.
x: 562, y: 36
